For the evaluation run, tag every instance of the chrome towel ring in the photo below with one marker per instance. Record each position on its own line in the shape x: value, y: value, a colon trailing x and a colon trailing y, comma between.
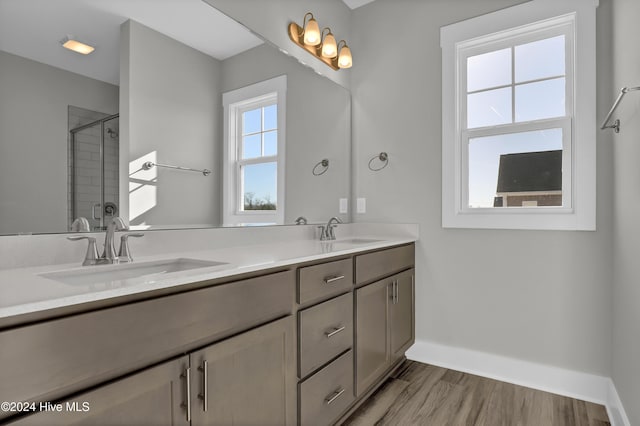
x: 384, y: 159
x: 321, y: 168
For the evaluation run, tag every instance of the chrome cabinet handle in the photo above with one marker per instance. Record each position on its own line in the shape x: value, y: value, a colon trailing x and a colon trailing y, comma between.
x: 187, y: 405
x: 334, y: 396
x: 205, y: 385
x: 335, y: 331
x: 397, y: 293
x: 333, y: 279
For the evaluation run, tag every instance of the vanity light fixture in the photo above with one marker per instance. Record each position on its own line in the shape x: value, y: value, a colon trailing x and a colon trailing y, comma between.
x: 70, y: 43
x: 344, y: 58
x: 329, y: 47
x: 322, y: 45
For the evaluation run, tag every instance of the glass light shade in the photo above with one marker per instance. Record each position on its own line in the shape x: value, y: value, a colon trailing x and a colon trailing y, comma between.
x: 329, y: 47
x: 76, y: 46
x: 344, y: 59
x: 312, y: 33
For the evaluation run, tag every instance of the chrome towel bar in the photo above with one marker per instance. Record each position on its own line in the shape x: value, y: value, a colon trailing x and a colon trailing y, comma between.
x: 149, y: 164
x: 616, y: 124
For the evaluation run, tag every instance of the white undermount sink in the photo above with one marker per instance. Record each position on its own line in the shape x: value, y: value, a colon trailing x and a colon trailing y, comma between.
x: 131, y: 271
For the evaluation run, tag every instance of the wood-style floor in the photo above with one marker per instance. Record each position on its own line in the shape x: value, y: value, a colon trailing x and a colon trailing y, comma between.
x: 421, y: 394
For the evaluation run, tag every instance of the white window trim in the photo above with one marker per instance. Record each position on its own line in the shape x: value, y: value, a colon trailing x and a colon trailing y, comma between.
x: 234, y: 101
x: 581, y: 214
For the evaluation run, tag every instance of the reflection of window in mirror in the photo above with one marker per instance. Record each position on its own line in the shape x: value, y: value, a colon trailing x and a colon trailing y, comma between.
x: 515, y: 154
x: 253, y: 183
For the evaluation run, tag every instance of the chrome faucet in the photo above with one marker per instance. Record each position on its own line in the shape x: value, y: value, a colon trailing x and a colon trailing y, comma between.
x: 326, y: 232
x: 109, y: 255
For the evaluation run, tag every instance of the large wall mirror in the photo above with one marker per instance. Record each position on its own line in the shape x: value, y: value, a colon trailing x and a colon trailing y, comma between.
x: 170, y: 83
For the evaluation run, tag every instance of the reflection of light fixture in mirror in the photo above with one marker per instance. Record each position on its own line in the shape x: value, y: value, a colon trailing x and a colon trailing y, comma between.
x: 70, y: 43
x: 344, y: 58
x: 329, y: 48
x: 322, y: 46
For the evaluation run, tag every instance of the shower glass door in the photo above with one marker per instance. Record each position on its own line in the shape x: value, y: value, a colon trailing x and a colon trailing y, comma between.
x: 94, y: 195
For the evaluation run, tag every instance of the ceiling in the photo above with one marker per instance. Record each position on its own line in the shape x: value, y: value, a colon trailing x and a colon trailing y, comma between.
x: 354, y: 4
x: 34, y: 28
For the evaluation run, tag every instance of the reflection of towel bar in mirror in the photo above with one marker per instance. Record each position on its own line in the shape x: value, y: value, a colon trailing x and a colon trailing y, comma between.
x: 616, y: 124
x: 148, y: 165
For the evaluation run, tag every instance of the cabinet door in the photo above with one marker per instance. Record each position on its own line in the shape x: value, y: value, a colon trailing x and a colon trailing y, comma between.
x: 372, y: 353
x: 151, y: 397
x: 249, y: 379
x: 401, y: 312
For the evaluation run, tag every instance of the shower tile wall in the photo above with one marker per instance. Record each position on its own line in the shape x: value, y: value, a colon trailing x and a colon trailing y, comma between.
x: 87, y: 174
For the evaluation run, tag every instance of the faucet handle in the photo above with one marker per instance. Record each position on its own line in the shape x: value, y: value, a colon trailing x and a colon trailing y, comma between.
x: 124, y: 255
x: 91, y: 257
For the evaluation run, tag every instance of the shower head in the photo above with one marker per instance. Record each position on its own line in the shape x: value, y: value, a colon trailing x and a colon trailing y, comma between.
x: 112, y: 133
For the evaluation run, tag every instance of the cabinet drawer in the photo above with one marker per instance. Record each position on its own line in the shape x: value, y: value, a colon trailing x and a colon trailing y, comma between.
x: 55, y: 358
x: 326, y: 394
x: 319, y: 281
x: 371, y: 266
x: 326, y: 330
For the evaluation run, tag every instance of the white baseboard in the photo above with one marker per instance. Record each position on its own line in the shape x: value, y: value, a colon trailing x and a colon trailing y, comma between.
x: 617, y: 415
x: 574, y: 384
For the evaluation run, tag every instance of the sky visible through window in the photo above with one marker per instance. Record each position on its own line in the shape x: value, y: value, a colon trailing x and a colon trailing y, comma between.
x: 514, y: 85
x: 260, y: 139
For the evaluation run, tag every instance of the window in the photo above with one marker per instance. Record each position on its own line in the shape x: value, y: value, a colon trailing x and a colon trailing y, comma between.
x: 519, y: 118
x: 253, y: 191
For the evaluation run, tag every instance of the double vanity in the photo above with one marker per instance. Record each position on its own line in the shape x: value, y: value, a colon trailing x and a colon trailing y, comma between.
x: 297, y: 332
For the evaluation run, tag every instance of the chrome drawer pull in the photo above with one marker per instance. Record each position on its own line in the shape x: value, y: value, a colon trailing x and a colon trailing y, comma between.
x: 333, y: 279
x: 334, y: 396
x: 205, y: 385
x: 187, y: 405
x: 335, y: 331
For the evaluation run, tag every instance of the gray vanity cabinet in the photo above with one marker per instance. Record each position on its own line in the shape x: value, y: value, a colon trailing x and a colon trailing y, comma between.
x: 249, y: 379
x: 402, y: 315
x: 384, y: 326
x: 372, y: 325
x: 151, y: 397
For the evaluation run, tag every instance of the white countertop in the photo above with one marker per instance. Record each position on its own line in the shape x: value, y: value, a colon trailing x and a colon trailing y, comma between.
x: 26, y: 291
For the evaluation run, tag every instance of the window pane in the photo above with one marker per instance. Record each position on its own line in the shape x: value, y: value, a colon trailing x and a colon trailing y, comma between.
x: 259, y: 186
x: 251, y: 146
x: 540, y: 59
x: 271, y: 117
x: 516, y: 169
x: 271, y: 143
x: 545, y: 99
x: 489, y: 70
x: 251, y: 121
x: 489, y: 108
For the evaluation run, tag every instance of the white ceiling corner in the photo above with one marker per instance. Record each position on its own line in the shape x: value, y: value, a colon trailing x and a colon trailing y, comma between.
x: 354, y: 4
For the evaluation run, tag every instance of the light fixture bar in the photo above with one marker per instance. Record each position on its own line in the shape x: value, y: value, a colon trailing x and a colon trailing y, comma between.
x: 296, y: 34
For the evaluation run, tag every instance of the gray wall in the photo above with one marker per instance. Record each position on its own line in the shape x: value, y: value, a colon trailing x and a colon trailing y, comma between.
x: 34, y: 99
x: 626, y: 146
x: 318, y: 126
x: 271, y: 20
x: 537, y: 296
x: 171, y: 106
